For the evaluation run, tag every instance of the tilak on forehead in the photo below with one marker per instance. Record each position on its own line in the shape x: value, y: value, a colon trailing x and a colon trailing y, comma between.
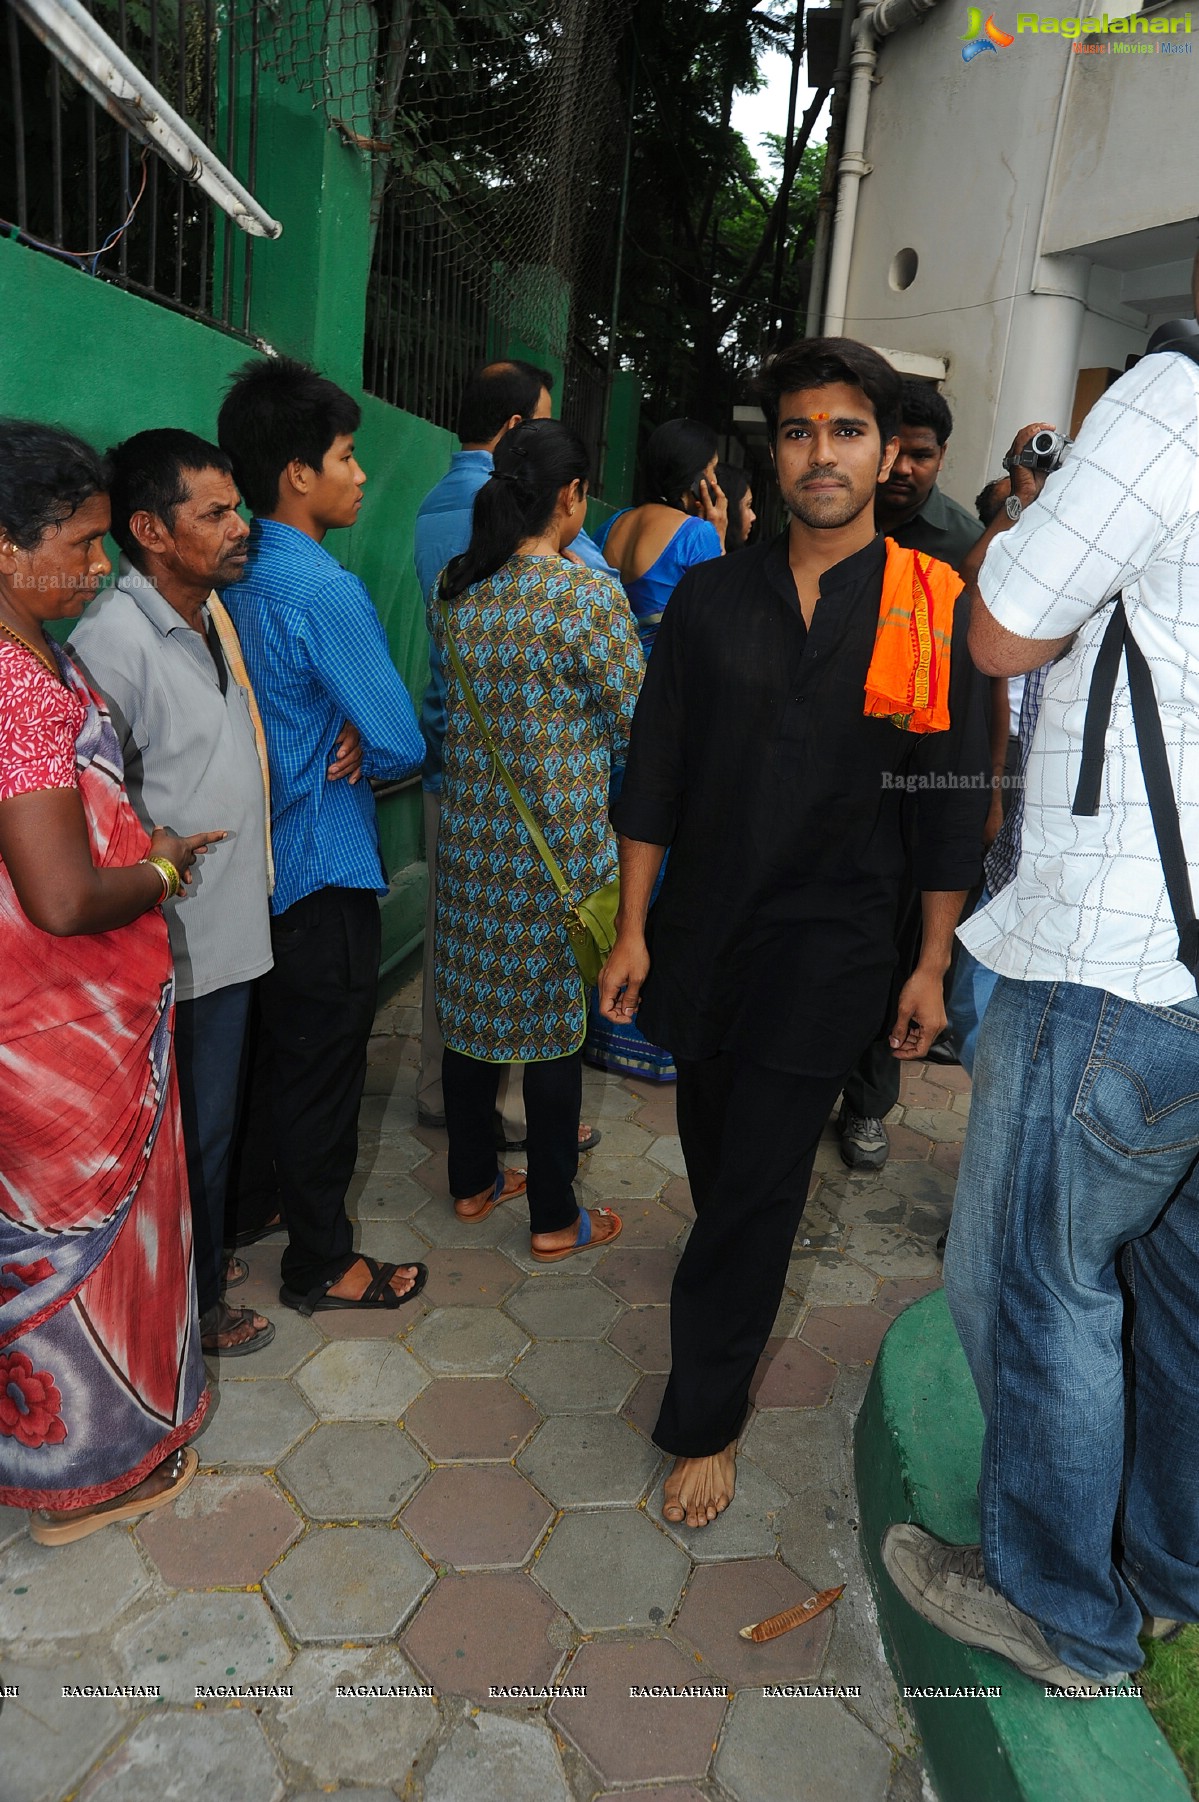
x: 817, y: 417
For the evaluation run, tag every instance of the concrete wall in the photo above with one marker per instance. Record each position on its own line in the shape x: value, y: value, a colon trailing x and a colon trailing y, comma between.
x: 1004, y: 175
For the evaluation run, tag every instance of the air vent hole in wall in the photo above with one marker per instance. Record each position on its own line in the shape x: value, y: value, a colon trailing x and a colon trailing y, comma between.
x: 902, y: 272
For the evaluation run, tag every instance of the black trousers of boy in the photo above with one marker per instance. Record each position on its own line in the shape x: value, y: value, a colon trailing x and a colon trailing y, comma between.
x: 299, y: 1138
x: 553, y: 1091
x: 749, y: 1137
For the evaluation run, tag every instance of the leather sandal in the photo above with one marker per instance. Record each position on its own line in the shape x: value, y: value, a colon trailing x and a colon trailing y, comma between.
x: 49, y: 1528
x: 377, y: 1294
x: 500, y: 1193
x: 584, y: 1240
x: 223, y: 1319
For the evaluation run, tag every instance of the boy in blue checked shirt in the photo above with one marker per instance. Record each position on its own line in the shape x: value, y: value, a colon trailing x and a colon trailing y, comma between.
x: 317, y: 655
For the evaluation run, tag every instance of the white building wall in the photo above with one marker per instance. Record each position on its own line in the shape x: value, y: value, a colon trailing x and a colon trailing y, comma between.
x: 1004, y: 175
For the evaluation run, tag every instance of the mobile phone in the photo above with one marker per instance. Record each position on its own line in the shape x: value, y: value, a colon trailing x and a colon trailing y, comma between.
x: 697, y: 487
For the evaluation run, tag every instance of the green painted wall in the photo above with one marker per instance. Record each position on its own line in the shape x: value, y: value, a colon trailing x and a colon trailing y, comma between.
x: 81, y: 353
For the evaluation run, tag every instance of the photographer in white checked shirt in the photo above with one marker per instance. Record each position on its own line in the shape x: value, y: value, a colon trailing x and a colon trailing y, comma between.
x: 1075, y: 1229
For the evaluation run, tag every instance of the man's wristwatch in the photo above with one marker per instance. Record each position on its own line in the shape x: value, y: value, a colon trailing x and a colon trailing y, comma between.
x: 1013, y: 506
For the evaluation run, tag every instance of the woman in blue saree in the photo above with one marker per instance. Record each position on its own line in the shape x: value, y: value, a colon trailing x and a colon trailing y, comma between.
x: 653, y: 546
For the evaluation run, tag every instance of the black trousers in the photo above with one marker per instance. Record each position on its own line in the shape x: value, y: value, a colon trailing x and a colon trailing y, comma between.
x: 553, y: 1091
x: 299, y: 1138
x: 872, y: 1086
x: 749, y: 1137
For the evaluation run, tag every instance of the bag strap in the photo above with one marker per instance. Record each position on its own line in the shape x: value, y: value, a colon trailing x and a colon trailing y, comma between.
x: 531, y: 827
x: 1155, y: 768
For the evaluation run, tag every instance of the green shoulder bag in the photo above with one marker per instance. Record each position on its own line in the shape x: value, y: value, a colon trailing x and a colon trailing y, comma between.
x: 591, y: 920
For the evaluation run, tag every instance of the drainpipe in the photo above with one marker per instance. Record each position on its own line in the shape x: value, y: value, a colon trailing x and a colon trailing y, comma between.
x: 874, y: 21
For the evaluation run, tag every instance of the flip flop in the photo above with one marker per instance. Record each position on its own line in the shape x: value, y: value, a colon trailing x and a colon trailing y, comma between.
x: 47, y: 1531
x: 498, y: 1195
x: 584, y: 1240
x: 226, y: 1318
x: 377, y: 1294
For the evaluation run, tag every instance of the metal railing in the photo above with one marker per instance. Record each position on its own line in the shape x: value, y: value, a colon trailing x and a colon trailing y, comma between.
x: 75, y: 184
x: 434, y: 309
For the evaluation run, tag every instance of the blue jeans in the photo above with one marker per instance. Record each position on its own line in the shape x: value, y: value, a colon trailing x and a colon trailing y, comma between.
x: 969, y: 995
x: 1072, y: 1274
x: 210, y: 1038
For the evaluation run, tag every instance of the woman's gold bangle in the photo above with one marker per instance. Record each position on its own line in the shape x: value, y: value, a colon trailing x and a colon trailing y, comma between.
x: 169, y: 874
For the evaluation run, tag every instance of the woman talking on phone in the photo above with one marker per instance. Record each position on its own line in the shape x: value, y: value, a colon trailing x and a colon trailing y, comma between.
x: 101, y: 1377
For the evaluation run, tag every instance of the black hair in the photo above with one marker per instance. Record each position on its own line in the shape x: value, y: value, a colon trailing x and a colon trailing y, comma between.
x: 987, y: 502
x: 148, y: 473
x: 924, y: 405
x: 736, y: 483
x: 533, y: 463
x: 276, y: 412
x: 821, y: 362
x: 494, y: 392
x: 46, y: 474
x: 676, y: 456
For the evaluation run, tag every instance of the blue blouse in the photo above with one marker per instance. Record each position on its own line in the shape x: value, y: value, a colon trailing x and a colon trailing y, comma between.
x: 696, y: 541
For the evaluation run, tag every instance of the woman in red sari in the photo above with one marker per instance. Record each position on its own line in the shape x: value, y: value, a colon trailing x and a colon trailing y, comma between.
x: 101, y: 1376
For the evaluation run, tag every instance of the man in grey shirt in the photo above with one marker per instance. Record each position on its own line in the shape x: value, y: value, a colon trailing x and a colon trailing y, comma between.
x: 185, y: 716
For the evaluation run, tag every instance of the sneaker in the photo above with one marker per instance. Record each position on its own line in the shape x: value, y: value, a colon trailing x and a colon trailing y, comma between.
x: 946, y: 1586
x: 1159, y: 1627
x: 863, y: 1140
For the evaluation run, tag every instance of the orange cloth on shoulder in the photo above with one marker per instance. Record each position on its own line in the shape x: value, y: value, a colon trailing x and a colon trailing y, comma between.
x: 908, y: 678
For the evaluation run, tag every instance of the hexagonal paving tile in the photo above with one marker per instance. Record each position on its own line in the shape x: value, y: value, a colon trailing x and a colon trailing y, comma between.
x: 847, y: 1335
x: 13, y: 1522
x: 349, y: 1470
x: 574, y: 1376
x: 475, y: 1278
x: 364, y: 1380
x: 438, y: 1223
x: 668, y: 1152
x: 611, y: 1567
x: 207, y: 1755
x: 756, y: 1760
x: 348, y: 1583
x: 364, y: 1738
x: 745, y: 1530
x: 645, y: 1403
x: 673, y: 1792
x: 68, y: 1591
x: 486, y: 1628
x: 617, y: 1180
x: 254, y: 1423
x: 517, y: 1759
x: 295, y: 1339
x: 477, y: 1519
x: 42, y: 1764
x: 222, y: 1533
x: 723, y: 1598
x: 387, y: 1197
x: 204, y: 1639
x: 622, y: 1139
x: 648, y: 1223
x: 563, y: 1307
x: 891, y: 1252
x: 643, y: 1335
x: 475, y: 1418
x: 468, y: 1342
x: 792, y: 1375
x: 631, y: 1738
x: 589, y: 1461
x: 640, y: 1276
x: 899, y: 1293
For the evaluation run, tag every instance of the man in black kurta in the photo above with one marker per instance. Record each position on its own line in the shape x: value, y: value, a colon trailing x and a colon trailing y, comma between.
x: 766, y: 963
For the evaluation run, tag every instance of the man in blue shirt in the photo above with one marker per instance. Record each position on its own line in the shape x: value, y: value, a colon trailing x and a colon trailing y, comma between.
x: 317, y: 656
x: 497, y: 397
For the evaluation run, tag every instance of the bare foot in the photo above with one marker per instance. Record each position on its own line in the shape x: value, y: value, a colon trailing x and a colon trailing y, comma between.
x: 358, y: 1279
x: 698, y: 1489
x: 605, y: 1225
x: 477, y: 1207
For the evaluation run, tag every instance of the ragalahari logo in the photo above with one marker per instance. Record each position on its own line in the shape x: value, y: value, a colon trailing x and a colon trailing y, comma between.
x: 983, y: 37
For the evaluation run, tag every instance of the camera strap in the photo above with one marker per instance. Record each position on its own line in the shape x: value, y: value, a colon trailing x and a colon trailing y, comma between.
x: 1155, y: 768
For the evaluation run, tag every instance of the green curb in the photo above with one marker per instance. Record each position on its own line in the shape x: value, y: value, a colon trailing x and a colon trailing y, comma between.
x: 917, y: 1448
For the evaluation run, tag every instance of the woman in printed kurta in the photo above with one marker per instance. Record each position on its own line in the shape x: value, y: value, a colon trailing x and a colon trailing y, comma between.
x: 552, y: 656
x: 101, y: 1376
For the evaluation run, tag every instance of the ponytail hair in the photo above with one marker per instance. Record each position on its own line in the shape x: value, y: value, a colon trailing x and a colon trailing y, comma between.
x: 534, y: 462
